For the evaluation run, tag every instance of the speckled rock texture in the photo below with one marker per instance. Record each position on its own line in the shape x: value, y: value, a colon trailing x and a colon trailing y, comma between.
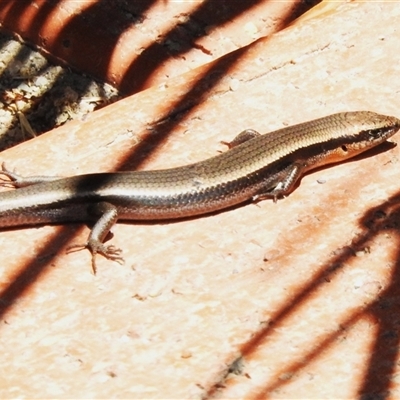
x: 298, y: 299
x: 37, y: 95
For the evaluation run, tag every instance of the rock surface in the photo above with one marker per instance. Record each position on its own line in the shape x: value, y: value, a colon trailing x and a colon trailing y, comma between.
x: 297, y: 299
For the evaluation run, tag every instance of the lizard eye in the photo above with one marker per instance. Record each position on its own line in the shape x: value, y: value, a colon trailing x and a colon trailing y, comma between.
x: 344, y: 148
x: 374, y: 134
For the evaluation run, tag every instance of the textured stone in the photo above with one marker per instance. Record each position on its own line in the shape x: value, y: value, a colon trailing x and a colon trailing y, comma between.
x: 298, y: 299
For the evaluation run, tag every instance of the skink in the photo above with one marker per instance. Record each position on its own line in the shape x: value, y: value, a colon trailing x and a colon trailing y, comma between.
x: 255, y: 167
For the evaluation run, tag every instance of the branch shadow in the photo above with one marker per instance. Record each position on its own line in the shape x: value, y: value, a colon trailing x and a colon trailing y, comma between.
x: 181, y: 39
x: 118, y: 17
x: 385, y: 309
x: 383, y: 312
x: 46, y: 111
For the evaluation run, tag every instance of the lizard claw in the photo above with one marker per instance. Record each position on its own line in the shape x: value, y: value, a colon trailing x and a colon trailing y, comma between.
x: 110, y: 252
x: 12, y: 177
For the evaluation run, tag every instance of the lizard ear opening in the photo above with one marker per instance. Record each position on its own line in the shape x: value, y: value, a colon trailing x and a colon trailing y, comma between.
x: 344, y: 148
